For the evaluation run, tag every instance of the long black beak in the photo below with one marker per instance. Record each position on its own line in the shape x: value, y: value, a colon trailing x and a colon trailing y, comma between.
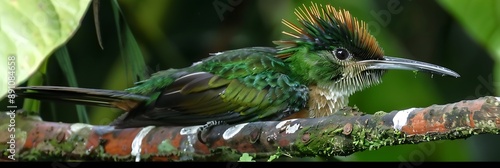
x: 407, y: 64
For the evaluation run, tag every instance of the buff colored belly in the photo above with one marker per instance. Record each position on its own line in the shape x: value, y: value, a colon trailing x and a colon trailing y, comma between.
x: 323, y: 102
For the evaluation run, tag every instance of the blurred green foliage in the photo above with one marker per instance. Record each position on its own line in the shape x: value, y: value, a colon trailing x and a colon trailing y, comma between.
x: 173, y: 34
x: 29, y: 32
x: 482, y: 23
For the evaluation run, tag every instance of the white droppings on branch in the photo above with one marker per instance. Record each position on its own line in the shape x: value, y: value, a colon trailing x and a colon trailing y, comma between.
x: 197, y: 63
x: 188, y: 148
x: 79, y: 126
x: 137, y: 142
x: 217, y: 53
x: 282, y: 123
x: 231, y: 131
x: 191, y: 130
x: 401, y: 118
x: 292, y: 129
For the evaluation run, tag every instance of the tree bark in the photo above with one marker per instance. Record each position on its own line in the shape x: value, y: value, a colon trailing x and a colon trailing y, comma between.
x: 342, y: 133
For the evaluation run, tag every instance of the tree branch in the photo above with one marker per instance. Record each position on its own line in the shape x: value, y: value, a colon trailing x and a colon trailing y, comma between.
x: 343, y: 133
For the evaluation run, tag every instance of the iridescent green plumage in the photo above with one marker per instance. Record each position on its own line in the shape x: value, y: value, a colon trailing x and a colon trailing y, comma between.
x: 329, y: 57
x: 234, y: 86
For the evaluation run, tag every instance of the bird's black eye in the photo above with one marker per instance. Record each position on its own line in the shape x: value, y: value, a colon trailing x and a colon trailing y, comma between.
x: 341, y: 53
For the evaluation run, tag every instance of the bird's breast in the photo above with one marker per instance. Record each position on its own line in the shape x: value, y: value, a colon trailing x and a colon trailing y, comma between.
x: 325, y: 101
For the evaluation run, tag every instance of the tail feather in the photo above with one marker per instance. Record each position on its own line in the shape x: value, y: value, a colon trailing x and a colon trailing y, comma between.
x: 97, y: 97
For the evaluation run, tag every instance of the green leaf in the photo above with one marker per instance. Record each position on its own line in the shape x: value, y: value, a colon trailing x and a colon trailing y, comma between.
x: 129, y: 50
x: 481, y: 20
x: 275, y: 156
x: 30, y: 30
x: 66, y: 65
x: 246, y: 158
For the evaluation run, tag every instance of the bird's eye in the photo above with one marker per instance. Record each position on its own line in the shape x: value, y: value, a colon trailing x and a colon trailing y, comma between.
x: 341, y: 53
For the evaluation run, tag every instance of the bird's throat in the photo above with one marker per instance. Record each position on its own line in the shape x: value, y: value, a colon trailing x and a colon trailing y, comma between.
x: 325, y: 101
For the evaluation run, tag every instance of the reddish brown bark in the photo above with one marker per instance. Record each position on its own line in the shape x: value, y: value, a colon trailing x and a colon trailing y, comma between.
x: 343, y: 133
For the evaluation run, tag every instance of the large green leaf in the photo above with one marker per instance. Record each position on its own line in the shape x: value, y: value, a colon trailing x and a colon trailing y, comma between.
x: 30, y: 30
x: 481, y: 19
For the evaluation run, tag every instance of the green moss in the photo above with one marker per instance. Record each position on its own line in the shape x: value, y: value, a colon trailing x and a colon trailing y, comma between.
x: 245, y: 157
x: 227, y: 153
x: 167, y: 148
x: 274, y: 156
x: 379, y: 113
x: 62, y: 148
x: 5, y: 152
x: 31, y: 155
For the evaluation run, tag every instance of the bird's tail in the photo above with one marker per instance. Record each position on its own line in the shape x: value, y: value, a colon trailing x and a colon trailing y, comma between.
x: 98, y: 97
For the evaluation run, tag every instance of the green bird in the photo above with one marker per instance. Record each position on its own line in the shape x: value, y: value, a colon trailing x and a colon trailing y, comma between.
x: 329, y: 56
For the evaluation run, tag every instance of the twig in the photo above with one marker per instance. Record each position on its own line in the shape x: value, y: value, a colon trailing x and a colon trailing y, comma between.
x: 343, y: 133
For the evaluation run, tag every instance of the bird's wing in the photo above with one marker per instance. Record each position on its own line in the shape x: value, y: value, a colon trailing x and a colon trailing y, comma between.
x: 235, y: 86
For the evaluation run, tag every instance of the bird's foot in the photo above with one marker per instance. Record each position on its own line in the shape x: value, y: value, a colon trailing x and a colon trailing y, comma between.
x: 203, y: 130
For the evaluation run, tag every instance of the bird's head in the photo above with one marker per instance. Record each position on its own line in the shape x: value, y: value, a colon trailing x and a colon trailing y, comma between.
x: 334, y: 49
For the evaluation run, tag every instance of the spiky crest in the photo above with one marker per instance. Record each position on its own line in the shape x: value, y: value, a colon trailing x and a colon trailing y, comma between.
x: 325, y: 28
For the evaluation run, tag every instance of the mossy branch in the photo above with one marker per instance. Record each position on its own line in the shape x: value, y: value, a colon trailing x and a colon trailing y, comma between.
x: 343, y: 133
